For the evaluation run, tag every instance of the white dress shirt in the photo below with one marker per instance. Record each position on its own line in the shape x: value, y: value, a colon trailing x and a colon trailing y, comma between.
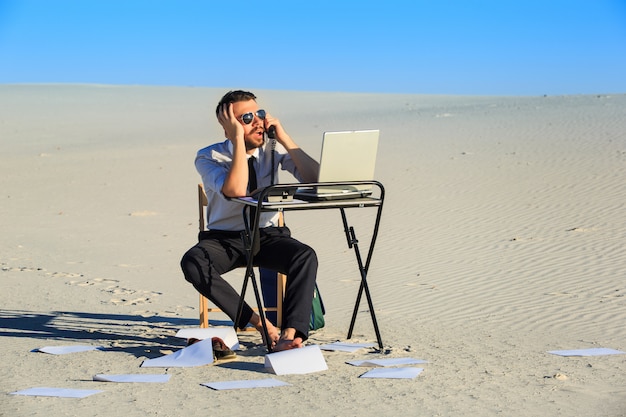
x: 213, y: 164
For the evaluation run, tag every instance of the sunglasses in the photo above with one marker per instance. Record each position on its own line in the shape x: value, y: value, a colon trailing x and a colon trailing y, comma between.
x: 247, y: 118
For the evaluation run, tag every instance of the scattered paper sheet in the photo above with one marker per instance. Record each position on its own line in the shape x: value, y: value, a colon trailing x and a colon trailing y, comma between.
x: 61, y: 350
x: 398, y: 373
x: 131, y: 378
x: 198, y: 354
x: 58, y: 392
x: 346, y: 347
x: 296, y: 361
x: 586, y: 352
x: 256, y: 383
x: 387, y: 362
x: 227, y: 334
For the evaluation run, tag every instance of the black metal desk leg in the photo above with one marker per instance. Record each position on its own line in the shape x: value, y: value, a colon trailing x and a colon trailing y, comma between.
x: 354, y: 243
x: 249, y: 240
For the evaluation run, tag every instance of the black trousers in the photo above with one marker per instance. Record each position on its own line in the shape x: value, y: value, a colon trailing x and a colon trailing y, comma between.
x: 218, y: 252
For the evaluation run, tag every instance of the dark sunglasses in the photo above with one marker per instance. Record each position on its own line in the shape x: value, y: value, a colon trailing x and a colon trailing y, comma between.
x: 247, y: 118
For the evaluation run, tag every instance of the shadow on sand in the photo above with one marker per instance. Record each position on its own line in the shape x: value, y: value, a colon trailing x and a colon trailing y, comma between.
x: 138, y: 335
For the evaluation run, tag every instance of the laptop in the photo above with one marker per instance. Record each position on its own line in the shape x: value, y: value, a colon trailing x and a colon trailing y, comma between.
x: 346, y: 156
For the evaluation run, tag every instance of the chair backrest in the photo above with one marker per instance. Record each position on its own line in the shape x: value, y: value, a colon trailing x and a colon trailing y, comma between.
x: 202, y: 203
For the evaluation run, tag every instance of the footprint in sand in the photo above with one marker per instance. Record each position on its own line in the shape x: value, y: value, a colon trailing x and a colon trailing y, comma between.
x: 7, y: 268
x: 92, y: 282
x: 144, y: 313
x: 65, y: 274
x: 146, y: 298
x: 580, y: 229
x: 117, y: 290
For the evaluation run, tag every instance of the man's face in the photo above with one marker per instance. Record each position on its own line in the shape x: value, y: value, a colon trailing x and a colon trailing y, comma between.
x: 253, y: 132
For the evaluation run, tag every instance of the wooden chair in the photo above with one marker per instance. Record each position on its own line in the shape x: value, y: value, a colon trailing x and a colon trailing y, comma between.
x: 204, y: 302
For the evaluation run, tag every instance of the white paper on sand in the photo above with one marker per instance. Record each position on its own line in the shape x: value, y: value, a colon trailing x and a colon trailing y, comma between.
x: 387, y: 362
x: 131, y: 378
x: 57, y: 392
x: 346, y: 347
x: 227, y: 334
x: 586, y: 352
x: 198, y: 354
x: 61, y: 350
x: 396, y: 373
x: 296, y: 361
x: 252, y: 383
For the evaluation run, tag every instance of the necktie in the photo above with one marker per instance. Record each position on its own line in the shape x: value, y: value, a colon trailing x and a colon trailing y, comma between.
x: 252, y: 185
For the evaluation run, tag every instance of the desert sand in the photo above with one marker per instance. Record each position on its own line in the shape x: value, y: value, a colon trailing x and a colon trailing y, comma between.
x: 503, y: 237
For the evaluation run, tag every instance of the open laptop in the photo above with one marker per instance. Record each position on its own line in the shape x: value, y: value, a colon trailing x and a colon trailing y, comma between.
x: 346, y: 156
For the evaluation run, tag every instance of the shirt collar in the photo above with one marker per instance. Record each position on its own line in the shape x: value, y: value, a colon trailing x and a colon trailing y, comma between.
x: 256, y: 152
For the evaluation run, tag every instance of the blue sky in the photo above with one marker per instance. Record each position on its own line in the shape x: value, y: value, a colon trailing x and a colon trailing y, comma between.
x: 481, y: 47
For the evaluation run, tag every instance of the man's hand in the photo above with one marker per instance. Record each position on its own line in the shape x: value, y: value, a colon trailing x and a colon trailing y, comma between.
x: 233, y: 129
x: 307, y: 166
x: 281, y: 135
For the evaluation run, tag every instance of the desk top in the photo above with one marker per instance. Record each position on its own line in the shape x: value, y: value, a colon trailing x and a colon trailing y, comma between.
x: 296, y: 204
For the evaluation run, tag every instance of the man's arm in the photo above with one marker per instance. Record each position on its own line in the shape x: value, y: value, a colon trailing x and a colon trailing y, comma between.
x: 236, y: 182
x: 307, y: 167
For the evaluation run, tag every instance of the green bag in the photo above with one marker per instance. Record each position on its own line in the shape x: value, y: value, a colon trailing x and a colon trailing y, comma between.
x: 317, y: 311
x: 268, y: 289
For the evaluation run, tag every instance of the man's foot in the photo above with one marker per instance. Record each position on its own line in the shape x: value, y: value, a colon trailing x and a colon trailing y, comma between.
x: 287, y: 344
x: 272, y: 331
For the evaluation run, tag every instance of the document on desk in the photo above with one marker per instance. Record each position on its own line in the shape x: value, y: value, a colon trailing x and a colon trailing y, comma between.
x: 271, y: 203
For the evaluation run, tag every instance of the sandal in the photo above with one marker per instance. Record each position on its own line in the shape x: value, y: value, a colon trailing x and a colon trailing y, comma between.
x: 221, y: 351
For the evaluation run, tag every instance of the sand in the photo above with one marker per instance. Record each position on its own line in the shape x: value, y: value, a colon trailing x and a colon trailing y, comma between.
x: 502, y: 238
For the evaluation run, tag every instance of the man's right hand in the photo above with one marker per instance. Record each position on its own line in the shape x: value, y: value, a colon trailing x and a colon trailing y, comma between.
x: 232, y: 128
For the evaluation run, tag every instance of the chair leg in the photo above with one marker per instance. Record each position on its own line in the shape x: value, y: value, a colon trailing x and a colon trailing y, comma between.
x: 280, y: 295
x: 204, y: 312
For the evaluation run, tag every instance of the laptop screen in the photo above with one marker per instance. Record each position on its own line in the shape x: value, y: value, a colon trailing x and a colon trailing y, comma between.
x: 348, y: 156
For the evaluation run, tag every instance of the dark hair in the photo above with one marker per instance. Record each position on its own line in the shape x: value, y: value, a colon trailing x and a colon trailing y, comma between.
x: 233, y: 97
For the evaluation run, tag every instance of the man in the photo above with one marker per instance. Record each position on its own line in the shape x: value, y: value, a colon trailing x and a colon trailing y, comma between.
x: 225, y: 173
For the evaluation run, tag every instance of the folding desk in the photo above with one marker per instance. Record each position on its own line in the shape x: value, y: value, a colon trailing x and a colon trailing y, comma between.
x: 261, y: 204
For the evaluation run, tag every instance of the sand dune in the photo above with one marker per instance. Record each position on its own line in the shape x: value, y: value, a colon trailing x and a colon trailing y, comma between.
x: 502, y: 238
